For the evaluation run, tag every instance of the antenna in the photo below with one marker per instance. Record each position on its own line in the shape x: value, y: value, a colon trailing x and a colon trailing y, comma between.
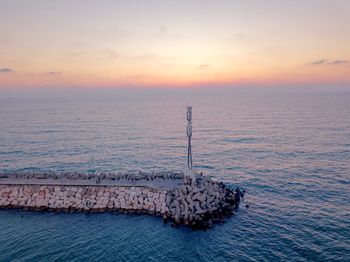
x: 189, y: 136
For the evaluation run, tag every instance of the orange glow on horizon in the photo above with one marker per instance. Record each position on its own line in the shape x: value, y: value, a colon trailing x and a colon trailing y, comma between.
x: 119, y: 44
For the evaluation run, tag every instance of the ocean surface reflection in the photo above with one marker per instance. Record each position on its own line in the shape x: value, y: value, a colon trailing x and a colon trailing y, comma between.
x: 290, y: 152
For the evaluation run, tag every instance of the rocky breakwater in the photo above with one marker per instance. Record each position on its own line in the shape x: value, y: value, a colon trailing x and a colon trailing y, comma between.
x: 197, y: 202
x: 83, y: 198
x: 200, y: 202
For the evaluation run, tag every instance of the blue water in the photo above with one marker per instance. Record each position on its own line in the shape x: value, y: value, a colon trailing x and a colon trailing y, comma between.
x: 289, y: 150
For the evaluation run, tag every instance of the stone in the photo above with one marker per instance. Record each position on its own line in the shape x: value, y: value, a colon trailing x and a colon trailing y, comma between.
x: 197, y: 203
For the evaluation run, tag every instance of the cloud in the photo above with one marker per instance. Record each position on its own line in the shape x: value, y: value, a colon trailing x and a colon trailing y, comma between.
x: 165, y: 33
x: 162, y: 31
x: 53, y: 73
x: 329, y: 62
x: 5, y: 70
x: 145, y: 57
x: 203, y: 66
x: 139, y: 76
x: 339, y: 62
x: 112, y: 55
x: 240, y: 36
x: 319, y: 62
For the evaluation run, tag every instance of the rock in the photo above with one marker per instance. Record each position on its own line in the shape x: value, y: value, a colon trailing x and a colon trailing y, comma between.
x: 179, y: 176
x: 198, y: 203
x: 140, y: 176
x: 40, y: 176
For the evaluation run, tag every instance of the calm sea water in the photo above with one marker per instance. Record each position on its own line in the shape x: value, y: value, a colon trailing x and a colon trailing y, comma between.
x: 289, y: 151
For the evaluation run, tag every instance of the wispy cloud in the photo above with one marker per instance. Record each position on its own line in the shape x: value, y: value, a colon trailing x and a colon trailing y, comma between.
x: 138, y: 76
x: 165, y: 33
x: 319, y: 62
x: 203, y: 66
x: 330, y: 62
x: 5, y: 70
x: 339, y: 62
x: 162, y: 31
x: 113, y: 55
x: 240, y: 36
x: 53, y: 73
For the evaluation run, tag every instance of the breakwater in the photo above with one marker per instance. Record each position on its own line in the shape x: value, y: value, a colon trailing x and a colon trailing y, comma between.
x: 198, y: 201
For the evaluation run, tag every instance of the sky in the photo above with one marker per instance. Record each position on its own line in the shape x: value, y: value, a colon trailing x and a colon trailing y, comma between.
x: 117, y: 44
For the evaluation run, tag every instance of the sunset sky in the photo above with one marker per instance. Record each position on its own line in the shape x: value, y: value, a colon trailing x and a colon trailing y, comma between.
x: 173, y: 43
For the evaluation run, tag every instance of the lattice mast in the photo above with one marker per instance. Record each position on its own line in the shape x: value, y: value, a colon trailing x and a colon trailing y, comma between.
x: 189, y: 136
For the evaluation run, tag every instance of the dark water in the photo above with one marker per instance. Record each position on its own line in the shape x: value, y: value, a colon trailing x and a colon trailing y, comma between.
x: 289, y: 151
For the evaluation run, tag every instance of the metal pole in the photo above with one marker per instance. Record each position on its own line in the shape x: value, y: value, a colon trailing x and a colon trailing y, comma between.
x: 189, y: 136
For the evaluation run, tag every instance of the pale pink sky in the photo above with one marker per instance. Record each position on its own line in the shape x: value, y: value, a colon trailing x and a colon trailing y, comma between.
x: 173, y: 43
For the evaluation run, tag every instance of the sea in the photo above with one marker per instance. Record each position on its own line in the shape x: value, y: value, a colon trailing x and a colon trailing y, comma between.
x: 289, y: 150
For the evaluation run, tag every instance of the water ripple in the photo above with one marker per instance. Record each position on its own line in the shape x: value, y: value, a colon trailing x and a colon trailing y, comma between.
x: 290, y: 153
